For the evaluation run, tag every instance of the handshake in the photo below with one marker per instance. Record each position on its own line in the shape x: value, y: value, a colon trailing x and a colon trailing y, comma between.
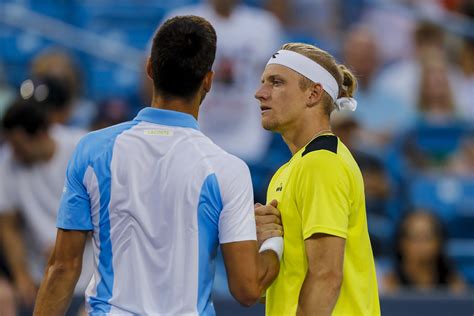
x: 269, y: 228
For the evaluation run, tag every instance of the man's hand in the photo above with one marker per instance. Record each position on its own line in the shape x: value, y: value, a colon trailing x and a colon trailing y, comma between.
x: 268, y: 219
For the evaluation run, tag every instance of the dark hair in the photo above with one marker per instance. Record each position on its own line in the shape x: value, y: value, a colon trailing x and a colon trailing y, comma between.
x: 25, y: 115
x: 467, y: 8
x: 428, y: 32
x: 444, y: 268
x: 50, y: 93
x: 183, y: 52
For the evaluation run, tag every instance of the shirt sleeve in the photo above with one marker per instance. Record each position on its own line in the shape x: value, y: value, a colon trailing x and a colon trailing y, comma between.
x: 323, y: 195
x: 74, y: 210
x: 237, y: 218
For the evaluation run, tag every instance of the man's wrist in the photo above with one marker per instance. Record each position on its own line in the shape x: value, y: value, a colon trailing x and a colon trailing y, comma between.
x: 275, y: 244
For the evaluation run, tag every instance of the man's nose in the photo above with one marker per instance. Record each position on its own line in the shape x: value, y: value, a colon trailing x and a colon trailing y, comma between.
x: 261, y: 93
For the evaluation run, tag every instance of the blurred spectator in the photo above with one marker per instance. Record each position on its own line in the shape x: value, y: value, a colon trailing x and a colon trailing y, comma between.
x: 404, y: 78
x: 7, y: 294
x: 466, y: 105
x: 436, y: 102
x: 462, y: 163
x: 111, y: 112
x: 230, y: 115
x: 392, y: 27
x: 7, y: 298
x: 317, y: 21
x: 60, y: 65
x: 466, y: 62
x: 51, y: 94
x: 282, y: 9
x: 452, y: 5
x: 54, y: 97
x: 34, y: 168
x: 438, y: 131
x: 393, y: 22
x: 6, y: 92
x: 420, y: 259
x: 380, y: 112
x: 465, y: 8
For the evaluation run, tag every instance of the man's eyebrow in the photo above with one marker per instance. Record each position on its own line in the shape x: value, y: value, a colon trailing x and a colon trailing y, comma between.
x: 271, y: 78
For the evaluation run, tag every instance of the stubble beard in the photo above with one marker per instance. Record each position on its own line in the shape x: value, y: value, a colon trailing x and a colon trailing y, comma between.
x: 270, y: 125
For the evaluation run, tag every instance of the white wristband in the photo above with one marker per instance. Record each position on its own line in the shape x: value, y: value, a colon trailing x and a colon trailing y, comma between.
x: 275, y: 244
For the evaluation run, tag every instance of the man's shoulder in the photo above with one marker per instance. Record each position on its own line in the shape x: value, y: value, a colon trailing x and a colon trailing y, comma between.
x: 102, y: 139
x: 219, y: 161
x: 323, y: 153
x: 234, y: 162
x: 107, y: 132
x: 218, y: 157
x: 322, y: 143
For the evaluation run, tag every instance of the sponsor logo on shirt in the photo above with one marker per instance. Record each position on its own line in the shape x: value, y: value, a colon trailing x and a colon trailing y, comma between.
x: 280, y: 188
x: 158, y: 132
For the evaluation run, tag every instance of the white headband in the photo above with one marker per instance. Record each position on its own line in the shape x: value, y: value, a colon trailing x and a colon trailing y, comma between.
x: 314, y: 72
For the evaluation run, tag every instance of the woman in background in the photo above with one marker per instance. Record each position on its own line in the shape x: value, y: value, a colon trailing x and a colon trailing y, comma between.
x: 421, y: 262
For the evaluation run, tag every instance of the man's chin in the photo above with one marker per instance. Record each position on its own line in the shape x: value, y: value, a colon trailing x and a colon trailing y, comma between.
x: 269, y: 126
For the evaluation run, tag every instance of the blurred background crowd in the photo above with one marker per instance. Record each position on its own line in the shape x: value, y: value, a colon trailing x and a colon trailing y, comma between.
x: 70, y: 66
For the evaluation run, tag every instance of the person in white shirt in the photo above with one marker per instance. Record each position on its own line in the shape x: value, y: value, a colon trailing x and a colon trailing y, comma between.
x: 32, y: 169
x: 159, y: 197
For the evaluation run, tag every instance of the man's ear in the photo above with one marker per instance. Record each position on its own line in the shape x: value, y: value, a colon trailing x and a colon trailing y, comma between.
x: 148, y: 69
x: 207, y: 83
x: 315, y: 95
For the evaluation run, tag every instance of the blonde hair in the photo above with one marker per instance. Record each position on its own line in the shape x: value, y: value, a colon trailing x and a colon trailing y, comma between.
x: 346, y: 81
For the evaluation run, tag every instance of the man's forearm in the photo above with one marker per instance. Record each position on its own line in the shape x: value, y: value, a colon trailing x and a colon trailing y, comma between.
x: 269, y: 266
x: 56, y: 290
x: 319, y: 294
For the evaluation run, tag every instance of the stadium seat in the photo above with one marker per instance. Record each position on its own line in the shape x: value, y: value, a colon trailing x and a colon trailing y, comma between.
x: 451, y: 198
x: 58, y: 9
x: 461, y: 251
x: 439, y: 140
x: 19, y: 46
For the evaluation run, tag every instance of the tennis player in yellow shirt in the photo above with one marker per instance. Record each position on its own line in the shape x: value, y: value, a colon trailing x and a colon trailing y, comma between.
x: 327, y: 266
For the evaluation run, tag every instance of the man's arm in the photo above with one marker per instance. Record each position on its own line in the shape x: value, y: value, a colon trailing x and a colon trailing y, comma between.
x: 320, y: 290
x: 61, y: 275
x: 249, y: 272
x: 15, y: 254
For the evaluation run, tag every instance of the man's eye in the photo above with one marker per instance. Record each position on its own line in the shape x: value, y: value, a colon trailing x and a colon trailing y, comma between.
x: 277, y: 82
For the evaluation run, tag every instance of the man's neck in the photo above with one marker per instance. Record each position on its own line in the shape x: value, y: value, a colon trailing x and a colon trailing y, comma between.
x: 302, y: 134
x: 179, y: 105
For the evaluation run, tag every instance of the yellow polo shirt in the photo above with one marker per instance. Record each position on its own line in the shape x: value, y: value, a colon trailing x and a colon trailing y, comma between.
x: 320, y: 190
